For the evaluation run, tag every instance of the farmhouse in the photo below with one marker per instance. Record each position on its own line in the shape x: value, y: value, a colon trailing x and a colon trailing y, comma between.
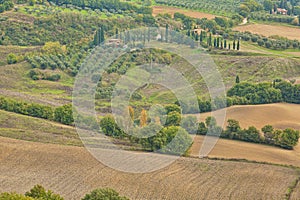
x: 282, y: 11
x: 114, y: 42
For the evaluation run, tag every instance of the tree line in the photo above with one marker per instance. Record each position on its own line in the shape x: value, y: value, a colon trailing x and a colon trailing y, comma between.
x: 287, y: 138
x: 62, y: 114
x: 171, y: 126
x: 262, y: 93
x: 6, y: 5
x: 106, y: 4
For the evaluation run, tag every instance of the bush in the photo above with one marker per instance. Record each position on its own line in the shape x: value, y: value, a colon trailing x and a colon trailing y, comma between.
x: 11, y: 59
x: 38, y: 192
x: 14, y: 196
x: 104, y: 194
x: 64, y: 114
x: 110, y: 128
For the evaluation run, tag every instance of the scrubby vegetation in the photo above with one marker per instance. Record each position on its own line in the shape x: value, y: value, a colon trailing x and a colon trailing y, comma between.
x: 38, y: 192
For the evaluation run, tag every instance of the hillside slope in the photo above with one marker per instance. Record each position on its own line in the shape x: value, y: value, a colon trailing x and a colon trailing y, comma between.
x: 72, y: 171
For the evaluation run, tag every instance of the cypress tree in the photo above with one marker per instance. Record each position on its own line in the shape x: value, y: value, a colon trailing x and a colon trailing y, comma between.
x: 201, y: 36
x: 101, y: 35
x: 233, y: 45
x: 117, y: 33
x: 225, y: 44
x: 167, y: 32
x: 96, y: 38
x: 238, y: 45
x: 237, y: 79
x: 148, y: 38
x: 209, y: 40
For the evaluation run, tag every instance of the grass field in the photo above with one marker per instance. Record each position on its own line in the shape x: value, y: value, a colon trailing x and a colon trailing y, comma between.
x: 269, y: 30
x: 171, y: 10
x: 15, y: 83
x: 33, y: 129
x: 72, y: 172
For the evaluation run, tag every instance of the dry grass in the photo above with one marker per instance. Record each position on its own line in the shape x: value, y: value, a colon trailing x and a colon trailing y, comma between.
x: 296, y: 193
x: 171, y: 10
x: 72, y: 171
x: 269, y: 30
x: 33, y: 129
x: 280, y: 115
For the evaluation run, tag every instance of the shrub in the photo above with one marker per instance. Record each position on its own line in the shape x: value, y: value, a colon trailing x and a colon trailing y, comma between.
x: 38, y: 192
x: 11, y: 59
x: 104, y: 194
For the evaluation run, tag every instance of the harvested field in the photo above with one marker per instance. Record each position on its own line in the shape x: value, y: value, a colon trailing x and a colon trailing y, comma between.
x: 72, y: 171
x: 280, y: 115
x: 171, y: 10
x: 250, y: 151
x: 269, y: 30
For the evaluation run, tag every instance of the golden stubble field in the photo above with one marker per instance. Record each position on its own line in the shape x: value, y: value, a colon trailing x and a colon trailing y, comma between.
x: 269, y: 30
x: 279, y: 115
x: 72, y: 172
x: 171, y: 10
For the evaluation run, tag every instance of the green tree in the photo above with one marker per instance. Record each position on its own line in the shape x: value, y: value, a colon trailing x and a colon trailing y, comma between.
x: 233, y: 47
x: 251, y: 135
x: 64, y: 114
x: 202, y: 129
x: 104, y: 194
x: 201, y: 36
x: 209, y: 41
x: 14, y: 196
x: 39, y: 192
x: 167, y: 33
x: 11, y: 59
x: 268, y: 5
x: 172, y: 108
x: 287, y: 138
x: 173, y: 119
x: 173, y: 140
x: 110, y: 128
x: 189, y: 123
x: 238, y: 45
x: 237, y: 79
x: 269, y: 135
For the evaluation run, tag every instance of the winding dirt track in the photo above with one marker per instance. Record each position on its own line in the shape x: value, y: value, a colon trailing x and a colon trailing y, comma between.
x: 72, y: 172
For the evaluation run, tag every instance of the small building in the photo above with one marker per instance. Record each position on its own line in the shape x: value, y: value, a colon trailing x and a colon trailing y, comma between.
x: 282, y: 11
x: 114, y: 42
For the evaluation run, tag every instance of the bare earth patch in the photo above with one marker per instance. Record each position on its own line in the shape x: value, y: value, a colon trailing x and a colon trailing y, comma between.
x: 269, y: 30
x: 72, y: 172
x: 171, y: 10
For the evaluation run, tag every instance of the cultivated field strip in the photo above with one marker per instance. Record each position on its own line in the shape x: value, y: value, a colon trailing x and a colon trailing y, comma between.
x: 72, y: 172
x: 270, y: 30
